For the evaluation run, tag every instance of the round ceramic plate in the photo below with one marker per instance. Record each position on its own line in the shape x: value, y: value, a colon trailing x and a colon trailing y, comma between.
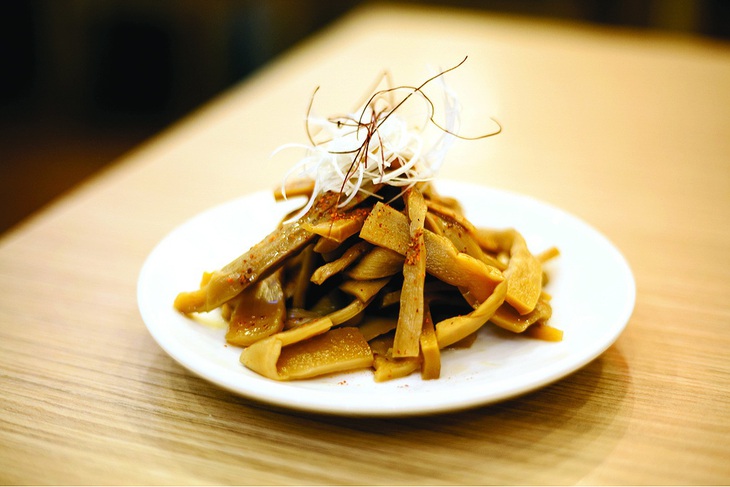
x: 591, y: 283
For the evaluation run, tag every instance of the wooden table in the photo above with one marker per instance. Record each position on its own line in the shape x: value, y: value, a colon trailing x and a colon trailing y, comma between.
x: 628, y: 131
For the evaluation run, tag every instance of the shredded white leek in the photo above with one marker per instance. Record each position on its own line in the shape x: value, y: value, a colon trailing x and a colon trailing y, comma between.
x: 384, y: 142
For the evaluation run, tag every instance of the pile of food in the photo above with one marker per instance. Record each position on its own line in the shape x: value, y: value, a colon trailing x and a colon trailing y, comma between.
x: 376, y: 269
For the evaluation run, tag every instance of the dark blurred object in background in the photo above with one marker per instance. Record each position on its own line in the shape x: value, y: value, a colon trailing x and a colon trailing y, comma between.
x: 17, y: 51
x: 85, y: 80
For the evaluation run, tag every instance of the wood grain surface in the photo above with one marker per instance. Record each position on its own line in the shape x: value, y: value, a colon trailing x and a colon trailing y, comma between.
x: 627, y: 131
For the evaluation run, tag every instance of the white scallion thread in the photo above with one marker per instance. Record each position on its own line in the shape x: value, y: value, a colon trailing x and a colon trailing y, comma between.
x: 342, y: 159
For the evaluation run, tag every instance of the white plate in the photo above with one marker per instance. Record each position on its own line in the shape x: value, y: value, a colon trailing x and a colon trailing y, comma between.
x: 593, y: 297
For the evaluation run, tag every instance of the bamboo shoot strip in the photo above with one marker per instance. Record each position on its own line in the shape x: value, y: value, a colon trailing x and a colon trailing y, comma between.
x: 260, y: 260
x: 524, y: 270
x: 386, y: 227
x: 451, y: 330
x: 410, y: 317
x: 329, y: 269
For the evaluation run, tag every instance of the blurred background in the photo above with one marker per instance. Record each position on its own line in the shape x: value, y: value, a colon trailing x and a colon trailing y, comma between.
x: 84, y: 81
